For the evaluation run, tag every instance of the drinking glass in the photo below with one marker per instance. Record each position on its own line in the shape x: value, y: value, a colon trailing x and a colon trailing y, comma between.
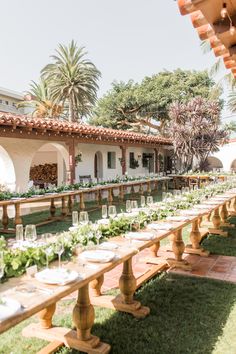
x: 30, y: 233
x: 143, y: 201
x: 149, y: 200
x: 83, y: 217
x: 2, y: 264
x: 128, y: 206
x: 112, y: 211
x: 134, y: 205
x: 98, y: 235
x: 75, y: 218
x: 19, y: 233
x: 104, y: 211
x: 59, y: 249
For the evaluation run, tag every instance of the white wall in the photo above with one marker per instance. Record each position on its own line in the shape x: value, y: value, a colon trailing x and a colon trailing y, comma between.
x: 226, y: 154
x: 42, y: 157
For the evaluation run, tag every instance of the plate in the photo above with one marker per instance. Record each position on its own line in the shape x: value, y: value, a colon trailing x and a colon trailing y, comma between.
x: 9, y: 308
x: 108, y: 246
x: 98, y: 256
x: 142, y: 236
x: 162, y: 226
x: 103, y: 222
x: 57, y: 276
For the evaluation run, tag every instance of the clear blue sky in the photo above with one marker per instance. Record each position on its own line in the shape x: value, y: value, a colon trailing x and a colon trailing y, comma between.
x: 124, y: 38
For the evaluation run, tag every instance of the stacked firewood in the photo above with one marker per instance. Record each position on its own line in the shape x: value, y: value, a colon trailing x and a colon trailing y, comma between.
x: 46, y: 173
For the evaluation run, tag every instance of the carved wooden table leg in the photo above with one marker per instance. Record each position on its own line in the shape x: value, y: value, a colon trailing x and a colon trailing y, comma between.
x: 70, y: 204
x: 110, y: 198
x: 141, y: 189
x: 97, y: 199
x: 81, y: 201
x: 5, y: 218
x: 46, y: 315
x: 81, y: 339
x: 195, y: 237
x: 18, y: 219
x: 64, y: 210
x: 178, y: 249
x: 52, y: 209
x: 121, y: 193
x: 149, y: 190
x: 224, y: 216
x: 154, y: 249
x: 154, y: 259
x: 125, y: 301
x: 96, y: 285
x: 217, y: 223
x: 163, y: 186
x: 233, y: 206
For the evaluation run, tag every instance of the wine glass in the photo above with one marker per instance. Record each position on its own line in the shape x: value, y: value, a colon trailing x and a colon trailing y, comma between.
x: 104, y: 211
x: 128, y: 206
x: 59, y: 249
x: 149, y: 200
x: 2, y: 264
x: 75, y: 218
x: 19, y: 233
x: 143, y: 201
x: 30, y: 233
x: 98, y: 235
x: 83, y: 217
x: 48, y: 247
x: 112, y: 211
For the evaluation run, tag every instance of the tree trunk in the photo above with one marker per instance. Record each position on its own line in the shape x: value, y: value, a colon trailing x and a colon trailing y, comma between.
x: 71, y: 111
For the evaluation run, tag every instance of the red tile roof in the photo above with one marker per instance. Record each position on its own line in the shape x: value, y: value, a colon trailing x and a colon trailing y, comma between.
x: 64, y: 127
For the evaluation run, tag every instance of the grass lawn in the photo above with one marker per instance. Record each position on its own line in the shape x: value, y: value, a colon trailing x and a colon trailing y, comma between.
x: 188, y: 315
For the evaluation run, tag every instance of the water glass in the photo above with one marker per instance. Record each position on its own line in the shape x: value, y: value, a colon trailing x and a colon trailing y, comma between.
x: 149, y: 200
x: 30, y: 233
x: 75, y: 218
x: 112, y: 211
x: 143, y: 201
x: 128, y: 206
x: 134, y: 205
x: 83, y: 217
x: 104, y: 211
x: 19, y: 233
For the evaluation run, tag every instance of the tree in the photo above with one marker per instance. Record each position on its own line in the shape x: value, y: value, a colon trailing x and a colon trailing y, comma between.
x: 39, y: 100
x: 144, y: 107
x: 195, y: 130
x: 72, y: 80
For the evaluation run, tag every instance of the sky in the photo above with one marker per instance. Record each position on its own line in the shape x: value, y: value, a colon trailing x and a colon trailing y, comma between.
x: 125, y: 39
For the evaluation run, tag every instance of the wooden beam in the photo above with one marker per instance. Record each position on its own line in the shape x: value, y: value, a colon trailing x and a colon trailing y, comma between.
x: 186, y: 7
x: 205, y: 32
x: 219, y: 51
x: 198, y: 19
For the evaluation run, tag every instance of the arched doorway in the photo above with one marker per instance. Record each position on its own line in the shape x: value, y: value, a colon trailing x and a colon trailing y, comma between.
x: 213, y: 164
x: 98, y: 165
x: 50, y: 165
x: 7, y: 174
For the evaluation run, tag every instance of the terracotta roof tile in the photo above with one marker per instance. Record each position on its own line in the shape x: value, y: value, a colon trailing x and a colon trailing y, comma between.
x: 9, y: 119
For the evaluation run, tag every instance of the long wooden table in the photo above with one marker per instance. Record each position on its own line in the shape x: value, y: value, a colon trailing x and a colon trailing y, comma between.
x: 67, y: 199
x: 83, y: 313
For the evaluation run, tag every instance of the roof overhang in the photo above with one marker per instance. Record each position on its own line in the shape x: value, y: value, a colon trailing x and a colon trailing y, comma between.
x: 210, y: 25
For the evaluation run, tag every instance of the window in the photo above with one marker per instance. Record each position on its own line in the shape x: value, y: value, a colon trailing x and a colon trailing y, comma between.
x: 6, y: 102
x: 111, y: 159
x: 132, y: 162
x: 13, y: 104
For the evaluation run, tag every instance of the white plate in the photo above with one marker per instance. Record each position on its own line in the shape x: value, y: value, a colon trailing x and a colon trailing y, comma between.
x: 108, y: 246
x: 9, y: 308
x: 98, y: 256
x: 56, y: 276
x: 142, y: 236
x: 162, y: 226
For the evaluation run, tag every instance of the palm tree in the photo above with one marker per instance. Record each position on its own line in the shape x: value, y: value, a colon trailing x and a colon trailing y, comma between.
x: 72, y: 80
x: 38, y: 98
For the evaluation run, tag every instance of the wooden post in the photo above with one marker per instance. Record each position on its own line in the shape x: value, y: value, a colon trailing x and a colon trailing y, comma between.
x: 5, y: 218
x: 217, y: 223
x: 121, y: 193
x: 64, y: 210
x: 154, y: 249
x: 157, y: 165
x: 110, y: 198
x: 52, y: 208
x: 81, y: 201
x: 123, y: 159
x: 149, y: 190
x: 71, y: 146
x: 18, y: 219
x: 70, y: 204
x: 141, y: 189
x: 127, y: 282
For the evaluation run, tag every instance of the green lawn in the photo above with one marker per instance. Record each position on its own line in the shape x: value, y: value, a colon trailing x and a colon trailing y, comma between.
x: 188, y: 315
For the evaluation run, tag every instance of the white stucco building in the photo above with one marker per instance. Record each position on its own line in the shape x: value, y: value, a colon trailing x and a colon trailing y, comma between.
x: 225, y: 158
